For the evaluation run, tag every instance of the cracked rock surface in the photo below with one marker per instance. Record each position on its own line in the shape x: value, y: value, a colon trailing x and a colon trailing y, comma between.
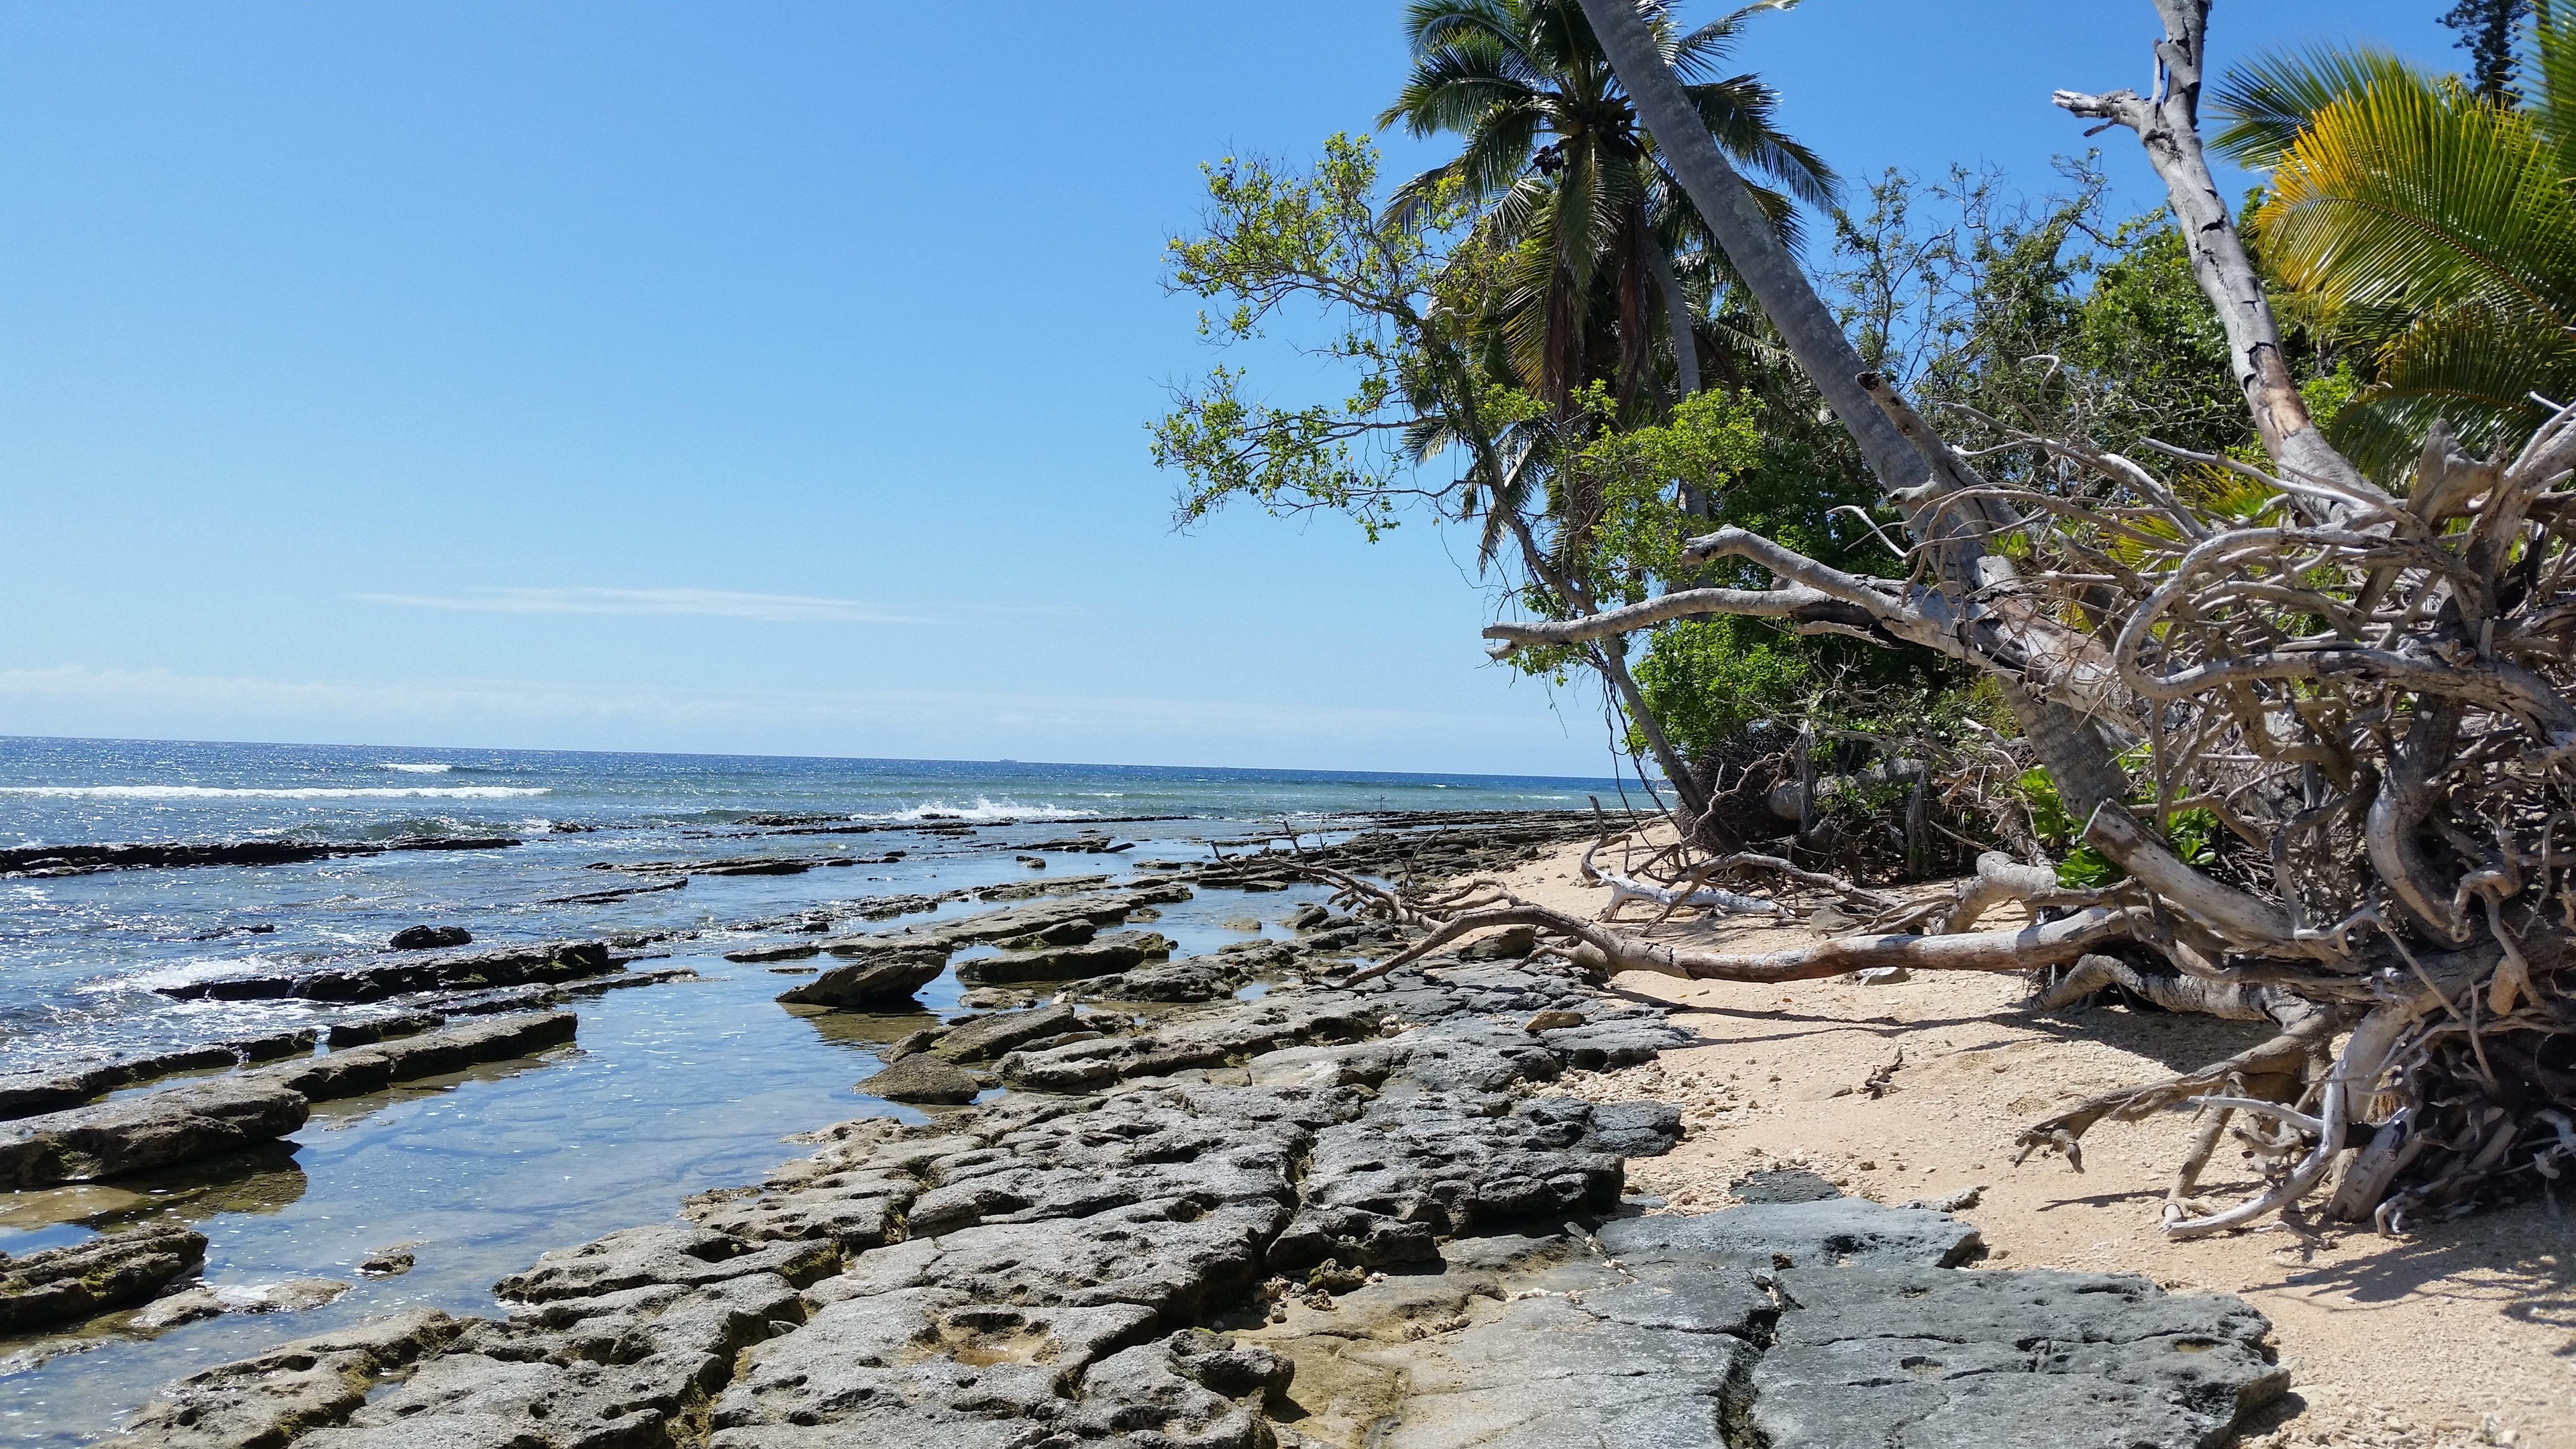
x: 1326, y: 1217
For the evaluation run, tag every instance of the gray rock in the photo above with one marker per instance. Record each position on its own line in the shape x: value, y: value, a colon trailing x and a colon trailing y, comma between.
x: 207, y: 1300
x: 1633, y: 1129
x: 1839, y: 1231
x: 1917, y: 1357
x: 501, y: 1002
x: 1062, y: 933
x: 1026, y: 1273
x: 275, y: 1045
x: 171, y: 1310
x: 880, y: 979
x: 861, y: 1365
x: 1511, y: 943
x: 1146, y: 1146
x: 1784, y: 1184
x: 667, y: 1257
x: 1172, y: 1258
x: 1025, y: 889
x: 794, y: 951
x: 372, y: 1068
x: 921, y: 1078
x: 1548, y: 1373
x: 114, y: 1270
x: 294, y: 1295
x: 423, y: 938
x: 632, y: 1367
x: 853, y: 1211
x: 1386, y: 1188
x: 984, y: 1037
x: 375, y: 1029
x: 1196, y: 978
x: 542, y: 962
x: 995, y: 998
x: 24, y: 1094
x: 86, y: 1144
x: 51, y: 861
x: 272, y: 1397
x: 1241, y: 1032
x: 1067, y: 963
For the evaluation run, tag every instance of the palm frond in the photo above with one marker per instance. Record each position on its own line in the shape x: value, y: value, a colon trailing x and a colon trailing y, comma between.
x: 2270, y: 99
x: 2410, y: 195
x: 1738, y: 114
x: 1452, y: 84
x: 2472, y: 366
x: 1695, y: 54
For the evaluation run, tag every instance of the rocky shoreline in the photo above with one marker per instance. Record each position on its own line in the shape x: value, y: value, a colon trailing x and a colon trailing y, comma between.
x: 1215, y: 1202
x: 1324, y: 1217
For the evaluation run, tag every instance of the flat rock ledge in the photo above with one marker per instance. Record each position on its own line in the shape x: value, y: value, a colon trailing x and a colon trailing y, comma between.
x: 1335, y: 1218
x: 111, y: 1271
x: 223, y: 1114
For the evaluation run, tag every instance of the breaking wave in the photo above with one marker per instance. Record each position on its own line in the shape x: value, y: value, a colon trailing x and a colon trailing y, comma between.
x: 416, y: 769
x: 983, y: 810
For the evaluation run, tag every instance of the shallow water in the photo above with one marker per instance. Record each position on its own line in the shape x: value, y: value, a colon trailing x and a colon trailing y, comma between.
x: 670, y: 1089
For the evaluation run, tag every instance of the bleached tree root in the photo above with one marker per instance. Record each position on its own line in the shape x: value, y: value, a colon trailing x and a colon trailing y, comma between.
x: 1625, y: 888
x: 2235, y: 1001
x: 1608, y: 952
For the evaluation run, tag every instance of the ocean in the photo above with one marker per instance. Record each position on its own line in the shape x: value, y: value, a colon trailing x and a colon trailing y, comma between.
x: 671, y: 1089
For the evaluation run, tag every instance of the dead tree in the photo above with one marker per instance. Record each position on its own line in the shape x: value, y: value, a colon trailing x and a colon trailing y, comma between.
x: 2371, y: 691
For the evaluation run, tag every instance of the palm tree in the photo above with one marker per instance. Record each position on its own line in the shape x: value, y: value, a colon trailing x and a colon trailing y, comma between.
x: 2432, y: 227
x: 1578, y: 198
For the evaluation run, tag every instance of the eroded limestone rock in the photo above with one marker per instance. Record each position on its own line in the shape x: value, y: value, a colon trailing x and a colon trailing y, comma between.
x: 113, y: 1270
x: 85, y: 1144
x: 276, y: 1396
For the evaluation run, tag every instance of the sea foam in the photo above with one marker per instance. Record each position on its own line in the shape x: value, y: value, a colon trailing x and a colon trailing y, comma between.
x: 982, y: 809
x: 416, y: 769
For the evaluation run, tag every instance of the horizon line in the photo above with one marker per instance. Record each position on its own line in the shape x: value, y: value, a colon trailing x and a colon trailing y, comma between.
x: 757, y: 755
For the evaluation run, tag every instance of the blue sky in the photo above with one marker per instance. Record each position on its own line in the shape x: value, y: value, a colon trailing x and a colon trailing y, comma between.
x: 764, y: 378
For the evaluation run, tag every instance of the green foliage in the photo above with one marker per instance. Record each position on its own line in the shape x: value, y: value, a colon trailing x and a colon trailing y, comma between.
x: 2081, y: 867
x: 2486, y: 30
x: 1705, y: 680
x: 1632, y: 481
x: 2147, y: 334
x: 1319, y: 241
x: 2194, y: 835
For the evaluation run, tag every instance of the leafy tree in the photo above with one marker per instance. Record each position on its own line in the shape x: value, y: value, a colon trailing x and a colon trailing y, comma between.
x: 1320, y: 244
x: 1401, y: 293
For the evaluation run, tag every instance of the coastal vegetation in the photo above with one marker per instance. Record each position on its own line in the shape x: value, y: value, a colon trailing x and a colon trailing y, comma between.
x: 2206, y: 590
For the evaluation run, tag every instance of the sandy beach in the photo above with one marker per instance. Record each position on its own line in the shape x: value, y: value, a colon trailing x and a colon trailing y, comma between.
x: 2461, y: 1333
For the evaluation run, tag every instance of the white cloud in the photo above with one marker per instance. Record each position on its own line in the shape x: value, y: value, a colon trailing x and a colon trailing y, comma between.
x: 707, y: 603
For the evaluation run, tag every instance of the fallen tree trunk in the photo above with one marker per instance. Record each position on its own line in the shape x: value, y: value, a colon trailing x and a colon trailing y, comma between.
x: 1613, y: 951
